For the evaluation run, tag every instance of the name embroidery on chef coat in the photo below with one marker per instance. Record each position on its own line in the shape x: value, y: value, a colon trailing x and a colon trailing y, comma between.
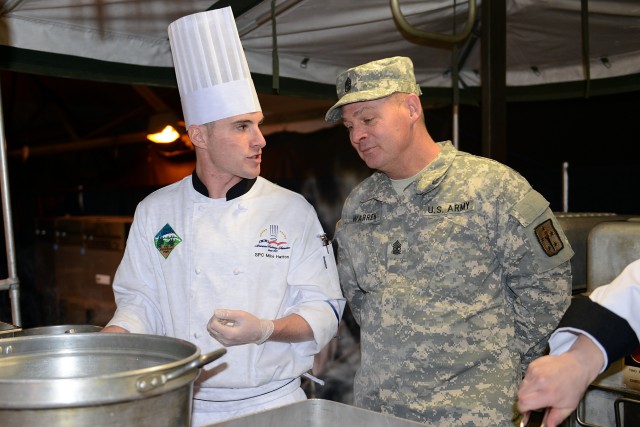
x: 273, y: 241
x: 166, y: 240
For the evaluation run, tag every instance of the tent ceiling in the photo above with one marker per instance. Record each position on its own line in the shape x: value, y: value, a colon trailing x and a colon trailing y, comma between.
x: 126, y: 40
x: 105, y: 43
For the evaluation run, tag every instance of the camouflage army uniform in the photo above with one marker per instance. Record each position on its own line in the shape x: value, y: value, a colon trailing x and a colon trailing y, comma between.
x: 456, y: 286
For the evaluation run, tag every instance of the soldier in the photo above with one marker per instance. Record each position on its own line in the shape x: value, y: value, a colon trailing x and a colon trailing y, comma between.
x: 455, y: 268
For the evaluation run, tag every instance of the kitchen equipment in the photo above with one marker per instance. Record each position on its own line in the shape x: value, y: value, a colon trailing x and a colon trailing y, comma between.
x: 318, y: 413
x: 98, y: 379
x: 612, y: 246
x: 58, y: 329
x: 8, y: 330
x: 576, y: 226
x: 533, y: 419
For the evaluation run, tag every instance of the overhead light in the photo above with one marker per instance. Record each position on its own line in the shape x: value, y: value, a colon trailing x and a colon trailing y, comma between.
x: 166, y: 136
x: 164, y: 128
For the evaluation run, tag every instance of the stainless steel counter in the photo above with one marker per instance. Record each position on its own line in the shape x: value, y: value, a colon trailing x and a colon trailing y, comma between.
x: 318, y: 413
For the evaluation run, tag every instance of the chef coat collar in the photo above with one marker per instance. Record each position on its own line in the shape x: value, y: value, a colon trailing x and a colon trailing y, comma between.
x: 236, y: 191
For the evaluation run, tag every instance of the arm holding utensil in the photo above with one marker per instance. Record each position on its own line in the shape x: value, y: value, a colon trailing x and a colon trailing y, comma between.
x: 593, y: 333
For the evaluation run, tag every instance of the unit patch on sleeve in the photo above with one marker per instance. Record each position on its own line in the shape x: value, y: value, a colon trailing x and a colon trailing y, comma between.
x: 166, y: 240
x: 548, y: 238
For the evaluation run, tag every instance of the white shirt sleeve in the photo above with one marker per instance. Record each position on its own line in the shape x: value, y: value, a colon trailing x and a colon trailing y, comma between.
x: 621, y: 296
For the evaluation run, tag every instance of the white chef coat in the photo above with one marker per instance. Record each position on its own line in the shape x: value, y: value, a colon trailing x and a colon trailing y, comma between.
x: 621, y: 296
x: 260, y: 252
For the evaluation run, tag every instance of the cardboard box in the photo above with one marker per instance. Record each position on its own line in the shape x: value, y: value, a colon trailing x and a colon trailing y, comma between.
x: 631, y: 371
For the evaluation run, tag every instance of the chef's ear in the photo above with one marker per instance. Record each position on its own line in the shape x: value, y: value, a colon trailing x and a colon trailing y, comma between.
x: 198, y: 135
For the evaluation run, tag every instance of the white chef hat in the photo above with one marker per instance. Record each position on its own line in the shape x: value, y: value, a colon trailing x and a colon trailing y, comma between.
x: 213, y: 76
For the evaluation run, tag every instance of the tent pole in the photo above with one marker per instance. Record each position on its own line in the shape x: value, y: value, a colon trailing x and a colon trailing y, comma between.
x: 11, y: 283
x: 456, y: 96
x: 493, y: 58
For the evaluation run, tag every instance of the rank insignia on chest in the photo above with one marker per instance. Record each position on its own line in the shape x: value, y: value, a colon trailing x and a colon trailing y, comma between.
x: 548, y: 238
x: 397, y: 248
x: 166, y: 240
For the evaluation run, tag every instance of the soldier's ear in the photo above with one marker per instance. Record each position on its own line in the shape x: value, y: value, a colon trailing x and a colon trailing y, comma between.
x: 414, y: 105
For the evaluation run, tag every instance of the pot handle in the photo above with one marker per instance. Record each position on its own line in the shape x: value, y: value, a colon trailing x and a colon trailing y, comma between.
x: 153, y: 381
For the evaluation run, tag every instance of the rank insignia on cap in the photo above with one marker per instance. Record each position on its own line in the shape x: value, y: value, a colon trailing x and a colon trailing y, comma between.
x: 166, y: 240
x: 347, y: 85
x: 548, y: 238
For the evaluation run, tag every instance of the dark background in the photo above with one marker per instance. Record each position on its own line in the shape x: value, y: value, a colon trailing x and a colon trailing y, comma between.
x: 597, y: 136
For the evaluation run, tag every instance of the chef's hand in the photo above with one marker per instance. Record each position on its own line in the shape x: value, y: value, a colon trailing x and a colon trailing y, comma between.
x: 237, y: 327
x: 559, y: 382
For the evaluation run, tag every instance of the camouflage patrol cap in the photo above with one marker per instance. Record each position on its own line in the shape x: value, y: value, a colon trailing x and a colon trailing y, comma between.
x: 373, y: 80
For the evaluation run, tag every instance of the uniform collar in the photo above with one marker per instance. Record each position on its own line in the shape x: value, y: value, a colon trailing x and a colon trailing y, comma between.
x: 234, y: 192
x: 437, y: 169
x: 382, y: 190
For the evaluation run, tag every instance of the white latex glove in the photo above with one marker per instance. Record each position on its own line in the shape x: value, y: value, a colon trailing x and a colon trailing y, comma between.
x: 237, y: 327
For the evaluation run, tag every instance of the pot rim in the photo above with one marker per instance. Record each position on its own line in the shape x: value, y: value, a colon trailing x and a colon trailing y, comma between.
x: 101, y: 388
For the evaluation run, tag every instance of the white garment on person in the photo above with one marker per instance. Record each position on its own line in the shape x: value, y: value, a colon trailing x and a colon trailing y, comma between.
x: 621, y: 296
x: 205, y: 413
x: 260, y: 252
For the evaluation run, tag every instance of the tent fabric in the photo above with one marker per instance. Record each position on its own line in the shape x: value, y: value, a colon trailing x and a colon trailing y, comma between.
x: 319, y: 38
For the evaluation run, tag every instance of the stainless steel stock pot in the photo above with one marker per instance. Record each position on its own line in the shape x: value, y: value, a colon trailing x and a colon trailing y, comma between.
x: 98, y: 379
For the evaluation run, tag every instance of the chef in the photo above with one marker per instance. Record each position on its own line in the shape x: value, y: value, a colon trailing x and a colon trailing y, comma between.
x: 225, y: 257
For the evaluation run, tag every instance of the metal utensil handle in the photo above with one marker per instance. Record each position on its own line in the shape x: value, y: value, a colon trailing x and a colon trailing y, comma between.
x: 578, y: 419
x: 618, y: 403
x: 150, y: 382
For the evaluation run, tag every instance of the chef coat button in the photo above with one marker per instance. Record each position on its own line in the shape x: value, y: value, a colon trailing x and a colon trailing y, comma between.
x: 242, y: 207
x: 197, y: 335
x: 237, y: 271
x: 200, y: 208
x: 198, y: 271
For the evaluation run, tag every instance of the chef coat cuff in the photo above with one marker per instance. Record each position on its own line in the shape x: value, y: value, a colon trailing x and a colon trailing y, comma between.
x: 563, y: 338
x: 610, y: 332
x: 324, y: 318
x: 131, y: 323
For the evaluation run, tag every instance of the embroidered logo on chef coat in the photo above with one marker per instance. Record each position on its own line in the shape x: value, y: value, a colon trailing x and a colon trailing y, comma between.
x: 548, y: 238
x: 166, y: 240
x: 274, y: 240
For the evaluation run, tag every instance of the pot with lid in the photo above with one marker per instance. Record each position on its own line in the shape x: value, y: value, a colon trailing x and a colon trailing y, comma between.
x: 57, y: 329
x: 98, y: 379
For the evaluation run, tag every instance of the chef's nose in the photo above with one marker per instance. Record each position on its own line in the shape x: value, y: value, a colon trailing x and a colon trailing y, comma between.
x: 259, y: 139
